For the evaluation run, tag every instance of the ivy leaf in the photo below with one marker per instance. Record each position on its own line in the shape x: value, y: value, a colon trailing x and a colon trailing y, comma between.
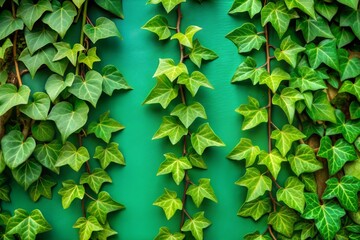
x: 257, y: 236
x: 61, y: 18
x: 27, y: 225
x: 307, y: 79
x: 348, y: 65
x: 27, y: 173
x: 87, y: 226
x: 165, y: 234
x: 194, y: 81
x: 337, y: 155
x: 354, y: 110
x: 188, y: 114
x: 104, y: 28
x: 64, y: 50
x: 68, y: 117
x: 109, y: 154
x: 95, y: 179
x: 253, y: 115
x: 196, y: 225
x: 253, y: 7
x: 172, y: 128
x: 42, y: 187
x: 39, y: 37
x: 55, y: 84
x: 246, y: 38
x: 113, y: 80
x: 201, y: 191
x: 159, y: 26
x: 9, y: 24
x: 168, y: 68
x: 343, y: 35
x: 205, y: 137
x: 70, y: 155
x: 69, y: 191
x: 16, y: 149
x: 349, y: 129
x: 306, y: 6
x: 350, y: 87
x: 245, y: 150
x: 167, y: 4
x: 283, y: 221
x: 285, y: 137
x: 255, y: 209
x: 327, y: 10
x: 292, y: 194
x: 327, y: 215
x: 39, y: 108
x: 310, y: 182
x: 274, y: 79
x: 196, y: 160
x: 352, y: 4
x: 30, y: 12
x: 163, y: 92
x: 350, y: 18
x: 7, y: 44
x: 308, y: 229
x: 199, y: 53
x: 78, y: 3
x: 248, y: 70
x: 169, y: 202
x: 11, y: 96
x: 102, y: 206
x: 112, y: 6
x: 288, y: 51
x: 256, y: 183
x: 174, y: 165
x: 321, y: 109
x: 47, y: 154
x: 312, y: 28
x: 345, y: 191
x: 286, y: 101
x: 278, y: 15
x: 304, y: 160
x: 325, y: 53
x: 89, y: 58
x: 187, y: 38
x: 105, y: 233
x: 272, y: 161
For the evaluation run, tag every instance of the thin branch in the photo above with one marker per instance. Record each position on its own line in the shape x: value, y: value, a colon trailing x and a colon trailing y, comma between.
x: 89, y: 196
x: 178, y: 30
x: 18, y: 76
x: 271, y: 233
x: 82, y: 34
x: 184, y: 199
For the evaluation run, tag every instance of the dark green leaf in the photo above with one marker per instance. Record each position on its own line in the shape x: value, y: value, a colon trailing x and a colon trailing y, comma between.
x: 349, y: 129
x: 113, y: 80
x: 42, y: 187
x: 7, y: 44
x: 353, y: 3
x: 39, y: 37
x: 352, y: 88
x: 349, y: 66
x: 39, y: 108
x: 351, y: 18
x: 321, y: 109
x: 112, y: 6
x: 306, y: 6
x: 313, y: 28
x: 9, y: 24
x: 109, y: 154
x: 326, y: 9
x: 307, y: 79
x: 169, y: 202
x: 325, y: 52
x: 354, y: 110
x: 47, y: 154
x: 343, y: 35
x: 27, y: 173
x: 30, y: 12
x: 11, y: 96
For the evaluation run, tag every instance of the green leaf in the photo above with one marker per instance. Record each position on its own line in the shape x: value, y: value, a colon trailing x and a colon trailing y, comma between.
x: 104, y: 28
x: 343, y: 35
x: 167, y: 4
x: 307, y: 79
x: 56, y: 84
x: 313, y: 28
x: 68, y: 117
x: 354, y: 110
x: 350, y: 87
x: 325, y: 52
x: 187, y: 38
x: 306, y: 6
x: 163, y: 92
x: 304, y: 160
x: 105, y: 233
x: 89, y: 58
x: 253, y: 7
x: 278, y: 15
x: 27, y: 225
x: 16, y: 149
x: 27, y: 173
x: 194, y: 81
x: 69, y: 191
x: 11, y: 96
x: 95, y: 179
x: 158, y: 25
x: 39, y: 108
x: 246, y: 38
x: 61, y: 18
x: 256, y: 183
x: 30, y: 12
x: 47, y: 154
x: 113, y: 80
x: 283, y: 221
x: 168, y: 68
x: 245, y: 150
x: 337, y: 154
x: 174, y: 165
x: 201, y: 191
x: 188, y: 114
x: 196, y: 224
x: 272, y: 161
x: 109, y: 154
x: 64, y: 50
x: 255, y: 209
x: 102, y: 206
x: 87, y: 226
x: 349, y: 129
x: 253, y: 114
x: 72, y: 156
x: 7, y: 44
x: 165, y: 234
x: 327, y: 215
x: 5, y: 192
x: 352, y: 4
x: 39, y: 37
x: 292, y: 194
x: 310, y: 182
x: 326, y: 9
x: 78, y: 3
x: 286, y: 101
x: 199, y: 53
x: 288, y: 51
x: 248, y: 70
x: 321, y: 109
x: 274, y: 79
x: 205, y: 137
x: 196, y: 160
x: 112, y: 6
x: 308, y: 229
x: 9, y: 24
x: 172, y: 128
x: 285, y: 137
x: 169, y: 202
x: 42, y: 187
x: 351, y: 18
x: 257, y: 236
x: 349, y: 66
x: 344, y: 190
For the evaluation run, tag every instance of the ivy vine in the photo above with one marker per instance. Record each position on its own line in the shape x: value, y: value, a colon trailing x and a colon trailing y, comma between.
x: 313, y: 81
x: 176, y: 89
x: 41, y: 132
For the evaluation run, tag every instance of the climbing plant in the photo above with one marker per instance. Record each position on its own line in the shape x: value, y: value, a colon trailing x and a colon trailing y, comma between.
x: 41, y: 131
x: 175, y: 90
x: 306, y: 183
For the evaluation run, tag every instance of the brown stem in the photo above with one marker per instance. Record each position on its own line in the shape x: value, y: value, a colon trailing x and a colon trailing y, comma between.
x: 271, y: 233
x: 18, y: 76
x: 178, y: 23
x: 268, y: 58
x: 184, y: 199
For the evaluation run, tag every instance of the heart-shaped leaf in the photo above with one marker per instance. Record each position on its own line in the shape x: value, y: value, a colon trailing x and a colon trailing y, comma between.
x: 112, y: 6
x: 30, y: 12
x: 104, y: 28
x: 39, y: 108
x: 27, y: 173
x: 9, y: 24
x: 113, y: 80
x: 10, y: 96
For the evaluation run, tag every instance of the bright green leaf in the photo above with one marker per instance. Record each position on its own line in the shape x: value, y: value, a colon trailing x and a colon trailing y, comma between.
x: 312, y: 28
x: 272, y: 161
x: 7, y: 44
x: 30, y: 12
x: 256, y: 208
x: 253, y: 114
x: 351, y: 18
x: 113, y: 80
x: 105, y: 233
x: 95, y: 179
x: 352, y: 88
x: 171, y: 127
x: 321, y: 109
x: 112, y: 6
x: 167, y: 4
x: 194, y: 81
x: 257, y: 236
x: 89, y: 58
x: 11, y: 96
x: 288, y: 51
x: 199, y: 53
x: 188, y: 114
x: 285, y: 137
x: 56, y: 84
x: 72, y: 156
x: 349, y: 66
x: 78, y: 3
x: 307, y: 79
x: 163, y: 92
x: 286, y: 101
x: 325, y: 52
x: 109, y: 154
x: 304, y: 160
x: 273, y: 79
x: 306, y: 6
x: 245, y: 150
x: 350, y: 3
x: 64, y: 50
x: 87, y: 226
x: 104, y: 28
x: 165, y: 234
x: 168, y: 68
x: 349, y: 129
x: 283, y: 221
x: 27, y: 173
x: 201, y: 191
x: 292, y: 194
x: 196, y: 224
x: 174, y: 165
x: 196, y: 160
x: 169, y: 202
x: 205, y: 137
x: 354, y: 110
x: 248, y: 70
x: 39, y: 108
x: 253, y: 7
x: 187, y: 38
x: 158, y: 25
x: 69, y: 191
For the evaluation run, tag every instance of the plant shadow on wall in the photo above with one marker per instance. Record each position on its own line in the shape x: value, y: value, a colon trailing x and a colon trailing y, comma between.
x: 36, y: 127
x: 311, y: 68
